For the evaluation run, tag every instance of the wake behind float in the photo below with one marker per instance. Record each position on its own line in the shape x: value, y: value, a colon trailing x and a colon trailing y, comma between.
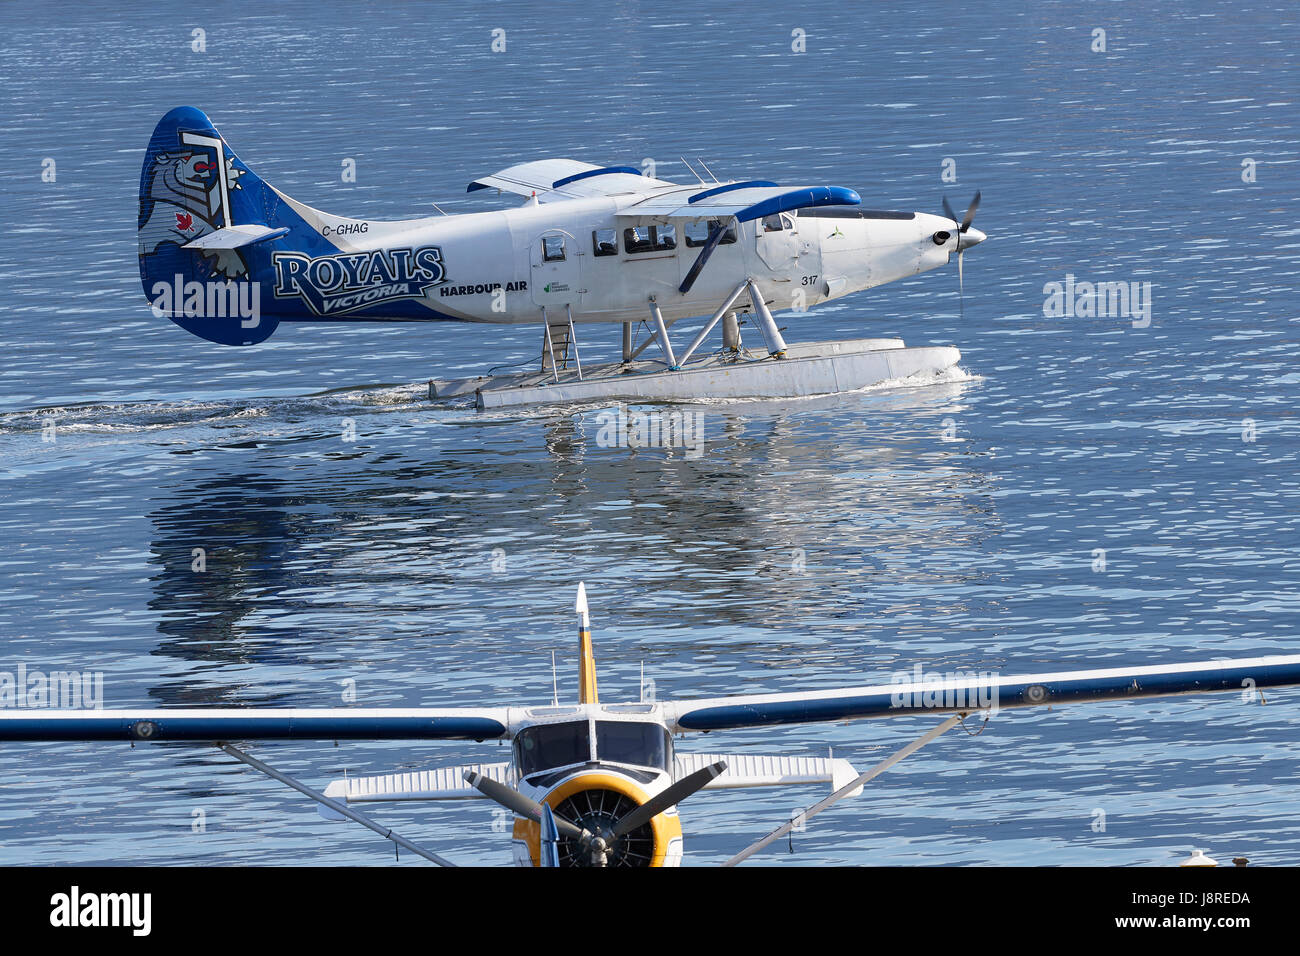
x: 590, y: 244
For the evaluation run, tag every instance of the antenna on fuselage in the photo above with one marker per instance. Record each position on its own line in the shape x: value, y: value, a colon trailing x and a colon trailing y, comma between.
x: 437, y: 207
x: 555, y: 683
x: 707, y: 170
x: 692, y: 169
x: 586, y: 662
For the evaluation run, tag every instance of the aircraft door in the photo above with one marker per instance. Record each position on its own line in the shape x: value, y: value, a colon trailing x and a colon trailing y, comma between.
x: 781, y: 247
x: 556, y: 273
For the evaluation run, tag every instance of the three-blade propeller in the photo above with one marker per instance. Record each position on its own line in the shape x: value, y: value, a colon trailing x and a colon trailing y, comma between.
x: 600, y: 843
x: 965, y: 238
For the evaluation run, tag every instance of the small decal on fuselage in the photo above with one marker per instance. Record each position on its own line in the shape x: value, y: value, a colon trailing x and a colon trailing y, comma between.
x: 346, y: 229
x: 331, y: 285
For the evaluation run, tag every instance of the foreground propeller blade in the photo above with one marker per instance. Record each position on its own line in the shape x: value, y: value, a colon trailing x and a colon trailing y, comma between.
x: 666, y: 798
x: 549, y: 844
x: 970, y: 212
x: 512, y: 799
x: 962, y: 229
x: 961, y: 285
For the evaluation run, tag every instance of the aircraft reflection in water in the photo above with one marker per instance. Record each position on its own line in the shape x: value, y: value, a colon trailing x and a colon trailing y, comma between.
x: 287, y: 560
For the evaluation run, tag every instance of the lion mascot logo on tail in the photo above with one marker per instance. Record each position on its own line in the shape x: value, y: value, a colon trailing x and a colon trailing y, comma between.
x: 188, y: 197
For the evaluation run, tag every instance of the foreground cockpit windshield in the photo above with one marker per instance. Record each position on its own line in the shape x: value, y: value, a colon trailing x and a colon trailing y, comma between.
x: 547, y: 746
x: 641, y: 744
x: 552, y: 745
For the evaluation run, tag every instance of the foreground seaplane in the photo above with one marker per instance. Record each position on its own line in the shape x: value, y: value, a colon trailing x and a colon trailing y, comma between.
x: 597, y: 784
x: 228, y: 257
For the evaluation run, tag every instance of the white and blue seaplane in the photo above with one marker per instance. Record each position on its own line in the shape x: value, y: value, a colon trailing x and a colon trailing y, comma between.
x: 228, y: 257
x: 597, y: 784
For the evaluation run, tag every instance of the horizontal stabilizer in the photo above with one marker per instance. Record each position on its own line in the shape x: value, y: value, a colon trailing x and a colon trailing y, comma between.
x: 445, y: 783
x: 235, y: 237
x: 747, y: 770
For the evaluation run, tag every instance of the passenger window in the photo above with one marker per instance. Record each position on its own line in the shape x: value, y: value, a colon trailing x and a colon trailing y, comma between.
x: 663, y: 238
x: 553, y: 248
x: 697, y: 233
x: 604, y: 242
x: 773, y: 224
x: 636, y: 239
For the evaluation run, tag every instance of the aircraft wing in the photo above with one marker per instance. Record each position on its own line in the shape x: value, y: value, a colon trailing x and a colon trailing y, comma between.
x: 255, y: 723
x: 743, y: 201
x: 553, y: 179
x: 982, y: 692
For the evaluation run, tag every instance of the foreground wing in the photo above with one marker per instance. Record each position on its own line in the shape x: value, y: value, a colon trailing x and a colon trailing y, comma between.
x: 256, y: 723
x: 552, y: 179
x: 982, y: 692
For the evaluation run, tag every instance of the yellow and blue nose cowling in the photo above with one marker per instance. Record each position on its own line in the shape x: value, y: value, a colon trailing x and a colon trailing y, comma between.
x: 665, y: 829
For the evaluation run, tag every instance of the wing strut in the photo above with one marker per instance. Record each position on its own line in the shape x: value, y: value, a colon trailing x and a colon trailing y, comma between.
x: 334, y: 805
x: 715, y: 236
x: 845, y: 790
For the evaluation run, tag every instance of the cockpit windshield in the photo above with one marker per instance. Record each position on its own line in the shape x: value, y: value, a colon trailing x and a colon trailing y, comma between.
x: 643, y: 745
x: 552, y: 745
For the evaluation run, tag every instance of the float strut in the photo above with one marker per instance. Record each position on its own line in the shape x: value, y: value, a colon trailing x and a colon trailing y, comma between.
x: 845, y: 790
x: 662, y: 331
x: 337, y: 806
x: 573, y: 340
x: 731, y: 332
x: 775, y: 344
x: 550, y: 347
x: 708, y: 326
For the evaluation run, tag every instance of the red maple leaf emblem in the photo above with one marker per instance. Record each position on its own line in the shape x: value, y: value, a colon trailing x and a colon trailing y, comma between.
x: 184, y: 221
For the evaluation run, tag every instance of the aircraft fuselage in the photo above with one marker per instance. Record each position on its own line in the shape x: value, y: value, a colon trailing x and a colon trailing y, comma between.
x: 506, y: 266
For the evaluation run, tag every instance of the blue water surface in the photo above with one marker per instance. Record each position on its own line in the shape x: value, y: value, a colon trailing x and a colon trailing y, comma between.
x: 814, y: 543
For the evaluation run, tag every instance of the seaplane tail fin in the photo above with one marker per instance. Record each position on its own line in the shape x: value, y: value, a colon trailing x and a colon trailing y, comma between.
x: 586, y: 659
x: 208, y: 228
